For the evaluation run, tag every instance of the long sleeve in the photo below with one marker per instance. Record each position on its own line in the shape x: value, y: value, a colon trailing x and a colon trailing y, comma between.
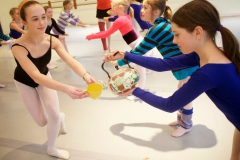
x: 184, y: 95
x: 104, y: 34
x: 166, y: 64
x: 48, y: 31
x: 112, y: 19
x: 123, y: 23
x: 54, y: 24
x: 160, y: 36
x: 4, y: 37
x: 64, y: 19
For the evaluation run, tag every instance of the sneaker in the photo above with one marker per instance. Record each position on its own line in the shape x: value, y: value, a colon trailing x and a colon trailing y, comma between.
x: 51, y: 66
x: 131, y: 98
x: 2, y: 85
x: 180, y: 131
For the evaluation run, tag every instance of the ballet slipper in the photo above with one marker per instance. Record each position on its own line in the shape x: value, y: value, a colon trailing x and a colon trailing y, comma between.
x: 180, y: 131
x: 62, y: 154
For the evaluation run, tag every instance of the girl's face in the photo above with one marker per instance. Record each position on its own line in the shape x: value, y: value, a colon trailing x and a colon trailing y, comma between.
x: 69, y: 6
x: 184, y: 39
x: 49, y: 13
x: 16, y: 15
x: 36, y: 20
x: 115, y: 9
x: 146, y: 12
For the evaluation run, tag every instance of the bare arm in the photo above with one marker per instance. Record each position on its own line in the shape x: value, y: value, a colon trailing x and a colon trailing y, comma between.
x: 14, y: 26
x: 21, y: 55
x: 72, y: 63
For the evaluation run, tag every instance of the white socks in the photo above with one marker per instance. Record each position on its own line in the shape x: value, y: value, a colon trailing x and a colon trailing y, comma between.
x: 62, y: 123
x: 62, y: 154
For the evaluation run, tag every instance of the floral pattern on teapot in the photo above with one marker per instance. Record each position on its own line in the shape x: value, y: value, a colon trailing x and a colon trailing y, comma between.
x: 123, y: 79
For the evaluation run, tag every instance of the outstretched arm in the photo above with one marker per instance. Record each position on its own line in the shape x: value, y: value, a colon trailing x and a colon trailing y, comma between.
x: 104, y: 34
x: 4, y: 37
x: 184, y: 95
x: 74, y: 64
x: 157, y: 64
x: 157, y: 36
x: 54, y: 24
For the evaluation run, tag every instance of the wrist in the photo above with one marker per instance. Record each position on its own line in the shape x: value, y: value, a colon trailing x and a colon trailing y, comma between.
x: 84, y: 75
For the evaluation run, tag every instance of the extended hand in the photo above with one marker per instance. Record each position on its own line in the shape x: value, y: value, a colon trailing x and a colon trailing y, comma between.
x: 76, y: 93
x: 111, y: 57
x: 89, y: 79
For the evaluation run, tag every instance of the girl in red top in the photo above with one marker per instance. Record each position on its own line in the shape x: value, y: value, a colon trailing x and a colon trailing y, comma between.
x: 102, y: 7
x: 124, y: 24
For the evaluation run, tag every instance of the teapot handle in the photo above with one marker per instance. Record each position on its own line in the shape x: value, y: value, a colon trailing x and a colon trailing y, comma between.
x: 115, y: 66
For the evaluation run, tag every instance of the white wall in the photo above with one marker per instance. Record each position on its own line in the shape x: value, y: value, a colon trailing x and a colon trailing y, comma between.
x: 87, y: 13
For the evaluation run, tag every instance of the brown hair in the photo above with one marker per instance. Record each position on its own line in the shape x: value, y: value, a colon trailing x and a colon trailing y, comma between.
x: 12, y: 11
x: 46, y: 8
x: 161, y: 5
x: 204, y: 14
x: 24, y: 6
x: 65, y: 2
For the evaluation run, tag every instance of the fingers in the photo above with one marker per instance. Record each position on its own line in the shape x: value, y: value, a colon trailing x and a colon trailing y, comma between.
x: 79, y: 94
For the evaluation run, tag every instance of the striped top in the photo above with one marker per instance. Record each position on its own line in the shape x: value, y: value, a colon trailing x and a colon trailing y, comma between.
x: 160, y: 35
x: 4, y: 37
x: 66, y: 18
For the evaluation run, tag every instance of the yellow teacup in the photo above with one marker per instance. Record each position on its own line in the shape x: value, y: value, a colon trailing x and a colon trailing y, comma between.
x: 94, y: 90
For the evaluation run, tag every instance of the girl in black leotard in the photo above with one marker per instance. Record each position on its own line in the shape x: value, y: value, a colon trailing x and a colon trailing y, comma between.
x: 52, y: 23
x: 36, y: 87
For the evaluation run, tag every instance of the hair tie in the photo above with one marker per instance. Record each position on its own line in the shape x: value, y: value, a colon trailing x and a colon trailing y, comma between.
x: 219, y: 27
x: 22, y: 4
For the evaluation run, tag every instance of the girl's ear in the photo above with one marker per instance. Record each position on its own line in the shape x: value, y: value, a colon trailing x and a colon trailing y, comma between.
x: 156, y: 12
x: 24, y: 23
x: 198, y: 32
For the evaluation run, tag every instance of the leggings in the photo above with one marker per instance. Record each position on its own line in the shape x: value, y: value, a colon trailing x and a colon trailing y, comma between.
x: 43, y: 105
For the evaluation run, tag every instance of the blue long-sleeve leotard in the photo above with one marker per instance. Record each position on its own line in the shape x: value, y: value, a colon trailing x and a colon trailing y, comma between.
x: 220, y: 82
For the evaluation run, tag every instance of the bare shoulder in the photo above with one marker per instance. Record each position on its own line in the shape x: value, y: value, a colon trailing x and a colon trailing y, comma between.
x: 20, y: 48
x: 55, y: 41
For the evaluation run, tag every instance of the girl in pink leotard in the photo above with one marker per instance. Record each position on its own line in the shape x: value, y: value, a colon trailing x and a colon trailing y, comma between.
x: 124, y: 24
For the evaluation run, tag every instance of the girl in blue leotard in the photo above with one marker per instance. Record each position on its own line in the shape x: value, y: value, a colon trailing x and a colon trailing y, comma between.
x: 194, y: 26
x: 16, y: 26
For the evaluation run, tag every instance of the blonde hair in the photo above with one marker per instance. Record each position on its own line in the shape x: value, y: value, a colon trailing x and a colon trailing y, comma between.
x: 126, y: 4
x: 12, y: 11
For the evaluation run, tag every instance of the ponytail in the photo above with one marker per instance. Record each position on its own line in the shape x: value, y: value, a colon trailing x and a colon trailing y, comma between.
x: 207, y: 17
x: 167, y: 13
x: 230, y: 47
x: 131, y: 12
